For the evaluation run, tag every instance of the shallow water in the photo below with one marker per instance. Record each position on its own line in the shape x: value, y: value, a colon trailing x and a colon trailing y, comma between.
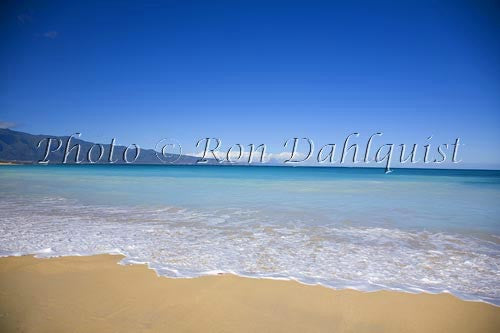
x: 411, y: 230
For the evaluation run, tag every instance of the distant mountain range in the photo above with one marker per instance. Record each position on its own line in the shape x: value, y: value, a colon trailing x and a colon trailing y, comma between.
x: 20, y: 147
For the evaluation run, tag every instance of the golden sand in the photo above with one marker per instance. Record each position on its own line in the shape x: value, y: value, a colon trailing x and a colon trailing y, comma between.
x: 94, y: 294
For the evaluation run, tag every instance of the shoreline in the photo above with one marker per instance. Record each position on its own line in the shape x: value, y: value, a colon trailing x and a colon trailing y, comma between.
x: 372, y: 289
x: 39, y: 295
x: 123, y: 261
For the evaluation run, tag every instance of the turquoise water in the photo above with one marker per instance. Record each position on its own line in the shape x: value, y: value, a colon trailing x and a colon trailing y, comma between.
x: 413, y: 230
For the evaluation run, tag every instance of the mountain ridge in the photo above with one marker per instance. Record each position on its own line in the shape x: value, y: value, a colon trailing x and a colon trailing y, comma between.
x: 26, y: 148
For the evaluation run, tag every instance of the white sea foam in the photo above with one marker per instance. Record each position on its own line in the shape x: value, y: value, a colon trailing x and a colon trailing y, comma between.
x: 180, y: 242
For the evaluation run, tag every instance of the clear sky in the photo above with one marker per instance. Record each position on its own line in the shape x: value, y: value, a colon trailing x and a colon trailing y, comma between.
x: 255, y: 71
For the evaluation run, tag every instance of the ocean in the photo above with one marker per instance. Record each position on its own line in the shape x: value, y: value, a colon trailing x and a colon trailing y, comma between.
x: 413, y: 230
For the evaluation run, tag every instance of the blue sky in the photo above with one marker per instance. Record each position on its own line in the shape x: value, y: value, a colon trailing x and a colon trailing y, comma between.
x: 255, y: 71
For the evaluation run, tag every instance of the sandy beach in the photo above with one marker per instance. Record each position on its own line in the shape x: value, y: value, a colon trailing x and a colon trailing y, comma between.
x: 94, y: 294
